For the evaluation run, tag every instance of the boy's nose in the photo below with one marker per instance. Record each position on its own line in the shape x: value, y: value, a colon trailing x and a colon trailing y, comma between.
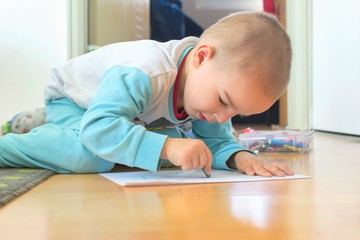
x: 224, y: 116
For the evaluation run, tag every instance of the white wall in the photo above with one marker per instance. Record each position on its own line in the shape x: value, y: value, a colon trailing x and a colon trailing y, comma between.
x: 336, y: 65
x: 33, y: 39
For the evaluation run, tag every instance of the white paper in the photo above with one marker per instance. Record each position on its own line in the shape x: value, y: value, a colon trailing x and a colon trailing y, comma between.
x: 171, y: 177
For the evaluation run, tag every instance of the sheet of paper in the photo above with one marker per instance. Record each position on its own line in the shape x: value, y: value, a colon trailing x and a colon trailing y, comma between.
x: 171, y: 177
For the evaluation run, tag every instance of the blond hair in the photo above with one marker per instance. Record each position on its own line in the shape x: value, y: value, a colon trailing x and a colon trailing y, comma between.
x: 249, y: 42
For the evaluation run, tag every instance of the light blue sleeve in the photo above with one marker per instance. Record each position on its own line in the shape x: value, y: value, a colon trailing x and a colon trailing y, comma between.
x: 106, y: 128
x: 219, y: 139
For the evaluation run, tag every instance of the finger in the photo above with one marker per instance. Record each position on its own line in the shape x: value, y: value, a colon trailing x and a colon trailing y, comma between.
x: 260, y: 170
x: 207, y: 167
x: 186, y: 165
x: 274, y: 170
x: 202, y: 160
x: 196, y: 162
x: 284, y: 168
x: 247, y: 168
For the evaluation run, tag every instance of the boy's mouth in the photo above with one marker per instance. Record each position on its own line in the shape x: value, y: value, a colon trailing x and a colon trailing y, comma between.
x: 201, y: 117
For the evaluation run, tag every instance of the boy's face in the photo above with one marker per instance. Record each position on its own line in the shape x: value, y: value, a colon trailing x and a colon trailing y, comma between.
x: 212, y: 95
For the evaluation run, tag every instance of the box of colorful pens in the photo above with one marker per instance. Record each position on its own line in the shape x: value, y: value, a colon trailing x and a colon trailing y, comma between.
x: 278, y: 141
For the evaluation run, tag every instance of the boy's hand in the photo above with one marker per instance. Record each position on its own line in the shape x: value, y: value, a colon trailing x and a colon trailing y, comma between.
x: 187, y: 153
x: 250, y: 164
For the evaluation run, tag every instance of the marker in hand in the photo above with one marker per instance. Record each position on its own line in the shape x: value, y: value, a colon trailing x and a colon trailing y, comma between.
x: 203, y: 169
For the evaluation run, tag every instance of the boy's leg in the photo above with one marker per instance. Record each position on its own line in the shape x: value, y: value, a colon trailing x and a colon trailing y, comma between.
x: 54, y: 146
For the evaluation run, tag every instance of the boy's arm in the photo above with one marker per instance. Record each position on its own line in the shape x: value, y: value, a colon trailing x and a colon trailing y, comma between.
x: 107, y: 128
x: 219, y: 139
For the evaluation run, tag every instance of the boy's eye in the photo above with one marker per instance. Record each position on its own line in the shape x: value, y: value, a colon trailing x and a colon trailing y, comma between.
x: 221, y: 101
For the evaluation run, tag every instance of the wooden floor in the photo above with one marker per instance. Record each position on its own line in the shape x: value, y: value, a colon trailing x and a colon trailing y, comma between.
x: 91, y: 207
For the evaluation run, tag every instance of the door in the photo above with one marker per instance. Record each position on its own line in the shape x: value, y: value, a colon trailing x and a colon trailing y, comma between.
x: 336, y: 66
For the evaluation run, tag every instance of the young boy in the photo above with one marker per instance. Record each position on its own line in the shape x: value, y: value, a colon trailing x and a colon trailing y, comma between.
x: 123, y: 102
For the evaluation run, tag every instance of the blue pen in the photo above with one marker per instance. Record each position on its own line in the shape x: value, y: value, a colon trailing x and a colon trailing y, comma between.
x: 203, y: 169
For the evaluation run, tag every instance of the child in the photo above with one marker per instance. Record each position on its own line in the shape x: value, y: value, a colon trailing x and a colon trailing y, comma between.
x: 123, y: 102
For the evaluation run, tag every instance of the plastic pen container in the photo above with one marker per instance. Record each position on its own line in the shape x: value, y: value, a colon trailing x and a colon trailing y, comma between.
x: 283, y: 141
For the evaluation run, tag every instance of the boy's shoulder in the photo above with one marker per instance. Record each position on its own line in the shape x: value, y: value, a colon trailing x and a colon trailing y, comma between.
x: 145, y: 48
x: 152, y: 57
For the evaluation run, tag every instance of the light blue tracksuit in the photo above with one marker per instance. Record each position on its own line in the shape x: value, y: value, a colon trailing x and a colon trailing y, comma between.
x: 99, y: 106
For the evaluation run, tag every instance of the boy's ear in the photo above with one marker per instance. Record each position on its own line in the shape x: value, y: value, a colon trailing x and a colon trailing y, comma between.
x: 203, y: 53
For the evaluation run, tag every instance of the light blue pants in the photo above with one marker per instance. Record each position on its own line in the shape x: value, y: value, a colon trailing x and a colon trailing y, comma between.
x: 56, y: 145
